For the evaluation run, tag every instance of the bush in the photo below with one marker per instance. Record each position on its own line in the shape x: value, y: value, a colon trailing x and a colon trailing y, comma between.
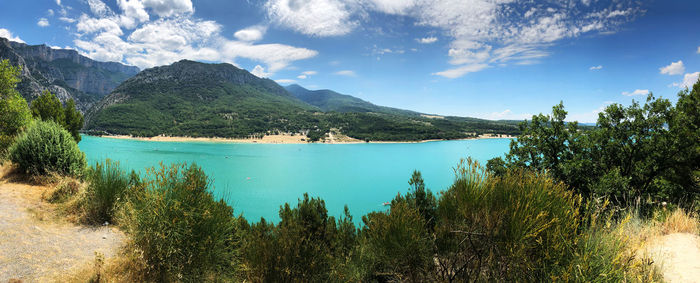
x: 183, y: 233
x: 515, y: 227
x: 45, y: 147
x: 107, y: 184
x: 15, y: 112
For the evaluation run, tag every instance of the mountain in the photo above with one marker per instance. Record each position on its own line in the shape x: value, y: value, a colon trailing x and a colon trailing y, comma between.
x: 196, y: 99
x: 190, y: 98
x: 64, y: 72
x: 328, y: 100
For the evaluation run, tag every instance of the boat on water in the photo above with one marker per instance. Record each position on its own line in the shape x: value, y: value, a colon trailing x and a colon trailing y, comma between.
x: 386, y: 203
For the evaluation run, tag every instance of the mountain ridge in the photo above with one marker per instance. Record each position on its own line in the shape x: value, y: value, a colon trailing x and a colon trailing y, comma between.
x: 64, y: 72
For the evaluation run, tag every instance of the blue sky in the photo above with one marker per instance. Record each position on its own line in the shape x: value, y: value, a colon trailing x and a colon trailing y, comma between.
x: 493, y: 59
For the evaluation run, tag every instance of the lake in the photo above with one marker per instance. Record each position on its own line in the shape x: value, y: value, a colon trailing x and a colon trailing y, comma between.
x: 257, y: 178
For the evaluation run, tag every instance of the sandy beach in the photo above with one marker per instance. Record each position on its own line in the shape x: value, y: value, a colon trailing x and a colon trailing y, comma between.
x: 281, y: 139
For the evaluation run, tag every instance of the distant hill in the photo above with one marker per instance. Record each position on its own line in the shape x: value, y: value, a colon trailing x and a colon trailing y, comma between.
x: 328, y: 100
x: 63, y: 72
x: 189, y: 98
x: 196, y: 99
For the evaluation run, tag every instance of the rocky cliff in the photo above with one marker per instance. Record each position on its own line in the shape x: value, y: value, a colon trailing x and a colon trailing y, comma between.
x: 64, y: 72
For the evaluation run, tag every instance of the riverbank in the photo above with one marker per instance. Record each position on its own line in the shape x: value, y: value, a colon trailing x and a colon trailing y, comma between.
x: 284, y: 139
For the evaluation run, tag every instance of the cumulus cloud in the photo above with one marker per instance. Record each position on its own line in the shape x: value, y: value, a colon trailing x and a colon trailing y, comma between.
x: 314, y: 17
x: 698, y: 50
x: 309, y: 73
x: 427, y: 40
x: 689, y: 80
x: 253, y: 33
x: 596, y: 67
x: 43, y: 22
x: 636, y: 92
x: 675, y: 68
x: 7, y: 34
x: 148, y: 33
x: 259, y: 72
x: 482, y: 31
x: 347, y: 73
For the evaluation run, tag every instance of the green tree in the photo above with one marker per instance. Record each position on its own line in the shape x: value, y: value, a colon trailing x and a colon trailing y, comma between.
x: 73, y: 119
x: 48, y: 107
x: 15, y: 112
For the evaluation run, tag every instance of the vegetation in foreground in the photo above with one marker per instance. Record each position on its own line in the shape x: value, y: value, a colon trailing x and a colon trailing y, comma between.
x: 523, y: 219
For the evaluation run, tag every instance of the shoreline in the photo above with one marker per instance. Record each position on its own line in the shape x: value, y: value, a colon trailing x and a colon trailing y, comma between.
x: 282, y: 139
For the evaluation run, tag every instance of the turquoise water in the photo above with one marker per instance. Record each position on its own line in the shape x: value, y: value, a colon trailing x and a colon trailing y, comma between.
x: 257, y: 178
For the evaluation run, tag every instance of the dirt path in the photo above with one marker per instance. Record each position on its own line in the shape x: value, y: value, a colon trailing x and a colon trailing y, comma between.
x: 679, y: 257
x: 36, y: 250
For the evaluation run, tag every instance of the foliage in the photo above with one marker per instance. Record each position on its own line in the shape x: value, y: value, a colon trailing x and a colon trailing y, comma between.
x: 45, y: 147
x: 272, y: 252
x: 47, y: 107
x: 183, y: 233
x: 107, y: 184
x: 634, y: 153
x: 15, y: 112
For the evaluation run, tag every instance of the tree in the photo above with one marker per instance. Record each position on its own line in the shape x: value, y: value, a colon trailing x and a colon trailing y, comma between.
x: 15, y: 112
x: 634, y: 153
x: 73, y: 119
x: 48, y: 107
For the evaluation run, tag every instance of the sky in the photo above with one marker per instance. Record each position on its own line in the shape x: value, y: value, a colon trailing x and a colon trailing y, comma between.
x: 494, y: 59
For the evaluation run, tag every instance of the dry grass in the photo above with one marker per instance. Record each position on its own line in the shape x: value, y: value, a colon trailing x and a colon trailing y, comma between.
x: 127, y: 266
x: 680, y: 221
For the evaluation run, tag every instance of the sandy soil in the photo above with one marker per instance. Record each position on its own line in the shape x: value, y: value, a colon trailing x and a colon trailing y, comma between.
x: 36, y: 250
x: 678, y: 256
x: 282, y: 139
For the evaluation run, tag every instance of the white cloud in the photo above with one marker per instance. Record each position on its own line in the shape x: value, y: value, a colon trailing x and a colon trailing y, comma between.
x: 58, y: 2
x: 313, y: 17
x: 50, y: 12
x: 253, y: 33
x: 167, y: 8
x: 461, y: 71
x: 285, y: 81
x: 636, y: 92
x: 698, y: 50
x: 596, y: 67
x: 301, y: 77
x: 259, y: 72
x: 7, y: 34
x: 43, y: 22
x: 309, y: 73
x: 506, y: 115
x: 67, y: 20
x: 347, y: 73
x: 131, y: 36
x: 427, y: 40
x: 492, y: 32
x: 676, y: 68
x: 689, y: 80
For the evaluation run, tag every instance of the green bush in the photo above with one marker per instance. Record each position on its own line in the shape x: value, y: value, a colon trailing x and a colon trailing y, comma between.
x: 107, y: 183
x: 15, y: 112
x: 517, y: 227
x: 45, y: 147
x: 183, y: 233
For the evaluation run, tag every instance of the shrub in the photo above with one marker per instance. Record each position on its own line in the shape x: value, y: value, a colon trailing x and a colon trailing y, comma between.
x: 45, y: 147
x: 107, y: 183
x: 15, y: 112
x: 184, y: 234
x: 306, y: 246
x: 515, y: 227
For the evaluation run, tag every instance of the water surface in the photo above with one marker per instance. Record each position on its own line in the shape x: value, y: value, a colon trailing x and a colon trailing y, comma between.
x: 257, y: 178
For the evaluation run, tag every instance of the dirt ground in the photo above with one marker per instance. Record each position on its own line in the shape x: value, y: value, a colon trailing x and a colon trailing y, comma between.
x: 35, y: 247
x: 678, y: 256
